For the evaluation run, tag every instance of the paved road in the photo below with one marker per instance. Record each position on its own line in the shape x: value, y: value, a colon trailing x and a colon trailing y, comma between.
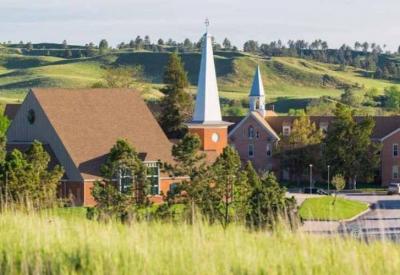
x: 383, y: 218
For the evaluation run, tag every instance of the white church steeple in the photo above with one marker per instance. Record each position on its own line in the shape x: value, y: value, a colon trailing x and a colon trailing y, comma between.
x: 207, y: 120
x: 257, y: 95
x: 207, y: 108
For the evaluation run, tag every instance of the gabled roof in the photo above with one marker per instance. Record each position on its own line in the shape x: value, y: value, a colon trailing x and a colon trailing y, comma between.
x: 260, y: 120
x: 385, y: 126
x: 89, y: 122
x: 207, y: 108
x: 257, y: 89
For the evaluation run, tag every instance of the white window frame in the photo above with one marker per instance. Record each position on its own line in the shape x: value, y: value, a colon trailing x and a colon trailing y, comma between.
x: 324, y: 127
x: 252, y: 150
x: 250, y: 132
x: 286, y: 130
x: 395, y: 150
x: 269, y: 150
x: 395, y: 172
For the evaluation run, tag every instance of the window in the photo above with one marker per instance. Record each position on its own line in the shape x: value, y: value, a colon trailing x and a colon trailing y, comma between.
x: 125, y: 180
x: 395, y: 150
x: 269, y: 150
x: 251, y: 150
x: 395, y: 172
x: 250, y: 132
x: 286, y: 130
x: 324, y: 127
x: 153, y: 177
x: 173, y: 188
x: 257, y: 134
x: 31, y: 116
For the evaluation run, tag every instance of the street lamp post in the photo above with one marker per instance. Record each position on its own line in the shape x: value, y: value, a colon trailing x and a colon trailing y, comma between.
x: 311, y: 178
x: 328, y: 177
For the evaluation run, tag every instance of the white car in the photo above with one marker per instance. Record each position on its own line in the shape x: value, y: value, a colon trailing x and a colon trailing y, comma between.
x: 393, y: 188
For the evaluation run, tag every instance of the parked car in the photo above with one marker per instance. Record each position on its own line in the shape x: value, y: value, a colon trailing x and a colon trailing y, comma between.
x: 314, y: 190
x: 393, y: 188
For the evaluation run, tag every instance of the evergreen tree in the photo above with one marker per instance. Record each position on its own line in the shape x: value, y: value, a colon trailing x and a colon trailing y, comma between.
x: 29, y: 179
x: 124, y: 183
x: 227, y: 44
x: 103, y: 46
x: 268, y: 204
x: 349, y: 149
x: 189, y: 162
x: 177, y: 103
x: 229, y: 187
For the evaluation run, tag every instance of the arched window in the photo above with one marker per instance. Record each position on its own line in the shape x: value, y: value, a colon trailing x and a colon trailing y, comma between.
x: 250, y: 132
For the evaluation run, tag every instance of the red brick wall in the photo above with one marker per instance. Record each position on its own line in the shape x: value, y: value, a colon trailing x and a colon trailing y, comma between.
x: 72, y: 190
x: 240, y: 140
x: 205, y: 136
x: 388, y: 160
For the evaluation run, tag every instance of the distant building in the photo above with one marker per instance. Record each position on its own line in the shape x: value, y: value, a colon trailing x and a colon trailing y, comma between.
x: 257, y: 135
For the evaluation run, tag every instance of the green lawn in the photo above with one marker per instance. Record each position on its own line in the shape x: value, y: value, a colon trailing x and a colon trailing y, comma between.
x: 322, y: 208
x: 50, y: 244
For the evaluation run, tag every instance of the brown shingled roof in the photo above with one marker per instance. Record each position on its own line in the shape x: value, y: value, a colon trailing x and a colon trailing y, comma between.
x: 384, y: 125
x: 89, y: 121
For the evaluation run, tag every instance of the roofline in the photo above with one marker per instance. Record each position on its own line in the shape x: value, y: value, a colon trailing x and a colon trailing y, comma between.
x: 390, y: 134
x: 245, y: 118
x: 67, y: 152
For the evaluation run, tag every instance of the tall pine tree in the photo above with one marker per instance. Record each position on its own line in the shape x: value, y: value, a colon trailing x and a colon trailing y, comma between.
x: 177, y: 103
x: 349, y: 149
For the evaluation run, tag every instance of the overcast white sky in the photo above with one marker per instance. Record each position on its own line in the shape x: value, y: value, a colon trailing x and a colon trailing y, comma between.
x: 82, y: 21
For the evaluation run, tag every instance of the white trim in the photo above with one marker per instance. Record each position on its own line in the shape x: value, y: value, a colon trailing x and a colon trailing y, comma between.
x: 263, y: 126
x: 390, y: 134
x: 397, y: 150
x: 248, y: 150
x: 238, y: 126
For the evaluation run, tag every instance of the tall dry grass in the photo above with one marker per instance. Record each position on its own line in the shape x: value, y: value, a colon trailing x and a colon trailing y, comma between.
x: 32, y: 243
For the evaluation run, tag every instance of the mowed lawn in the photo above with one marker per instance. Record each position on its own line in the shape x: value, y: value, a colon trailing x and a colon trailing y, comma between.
x: 322, y: 208
x: 32, y: 243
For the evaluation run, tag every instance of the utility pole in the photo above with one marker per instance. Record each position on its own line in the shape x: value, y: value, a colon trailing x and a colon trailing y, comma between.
x: 311, y: 178
x: 328, y: 177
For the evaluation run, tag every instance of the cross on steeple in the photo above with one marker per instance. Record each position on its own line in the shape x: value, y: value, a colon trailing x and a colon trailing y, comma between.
x: 207, y: 23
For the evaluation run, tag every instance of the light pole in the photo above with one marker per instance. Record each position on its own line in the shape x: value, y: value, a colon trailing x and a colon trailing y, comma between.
x: 328, y: 177
x: 310, y: 178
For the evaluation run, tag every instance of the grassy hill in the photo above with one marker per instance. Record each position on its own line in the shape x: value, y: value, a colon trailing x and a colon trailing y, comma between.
x: 289, y: 82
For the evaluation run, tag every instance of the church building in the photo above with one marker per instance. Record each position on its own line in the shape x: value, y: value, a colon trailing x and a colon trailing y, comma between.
x: 257, y: 135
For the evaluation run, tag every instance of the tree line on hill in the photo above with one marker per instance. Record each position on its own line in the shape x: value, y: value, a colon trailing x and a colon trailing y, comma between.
x: 373, y: 58
x: 367, y: 56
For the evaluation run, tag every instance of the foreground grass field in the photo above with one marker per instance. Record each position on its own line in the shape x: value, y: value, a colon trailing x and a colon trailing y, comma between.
x: 53, y: 244
x: 322, y: 208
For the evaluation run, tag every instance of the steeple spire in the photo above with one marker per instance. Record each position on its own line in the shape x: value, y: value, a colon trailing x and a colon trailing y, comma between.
x: 207, y: 108
x: 207, y: 121
x: 257, y: 89
x: 257, y: 95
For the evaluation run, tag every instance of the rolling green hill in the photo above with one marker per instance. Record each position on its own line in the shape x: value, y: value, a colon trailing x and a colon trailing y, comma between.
x: 290, y: 82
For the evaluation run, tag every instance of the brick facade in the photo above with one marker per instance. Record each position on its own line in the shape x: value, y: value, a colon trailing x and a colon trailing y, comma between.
x: 389, y: 159
x: 261, y: 141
